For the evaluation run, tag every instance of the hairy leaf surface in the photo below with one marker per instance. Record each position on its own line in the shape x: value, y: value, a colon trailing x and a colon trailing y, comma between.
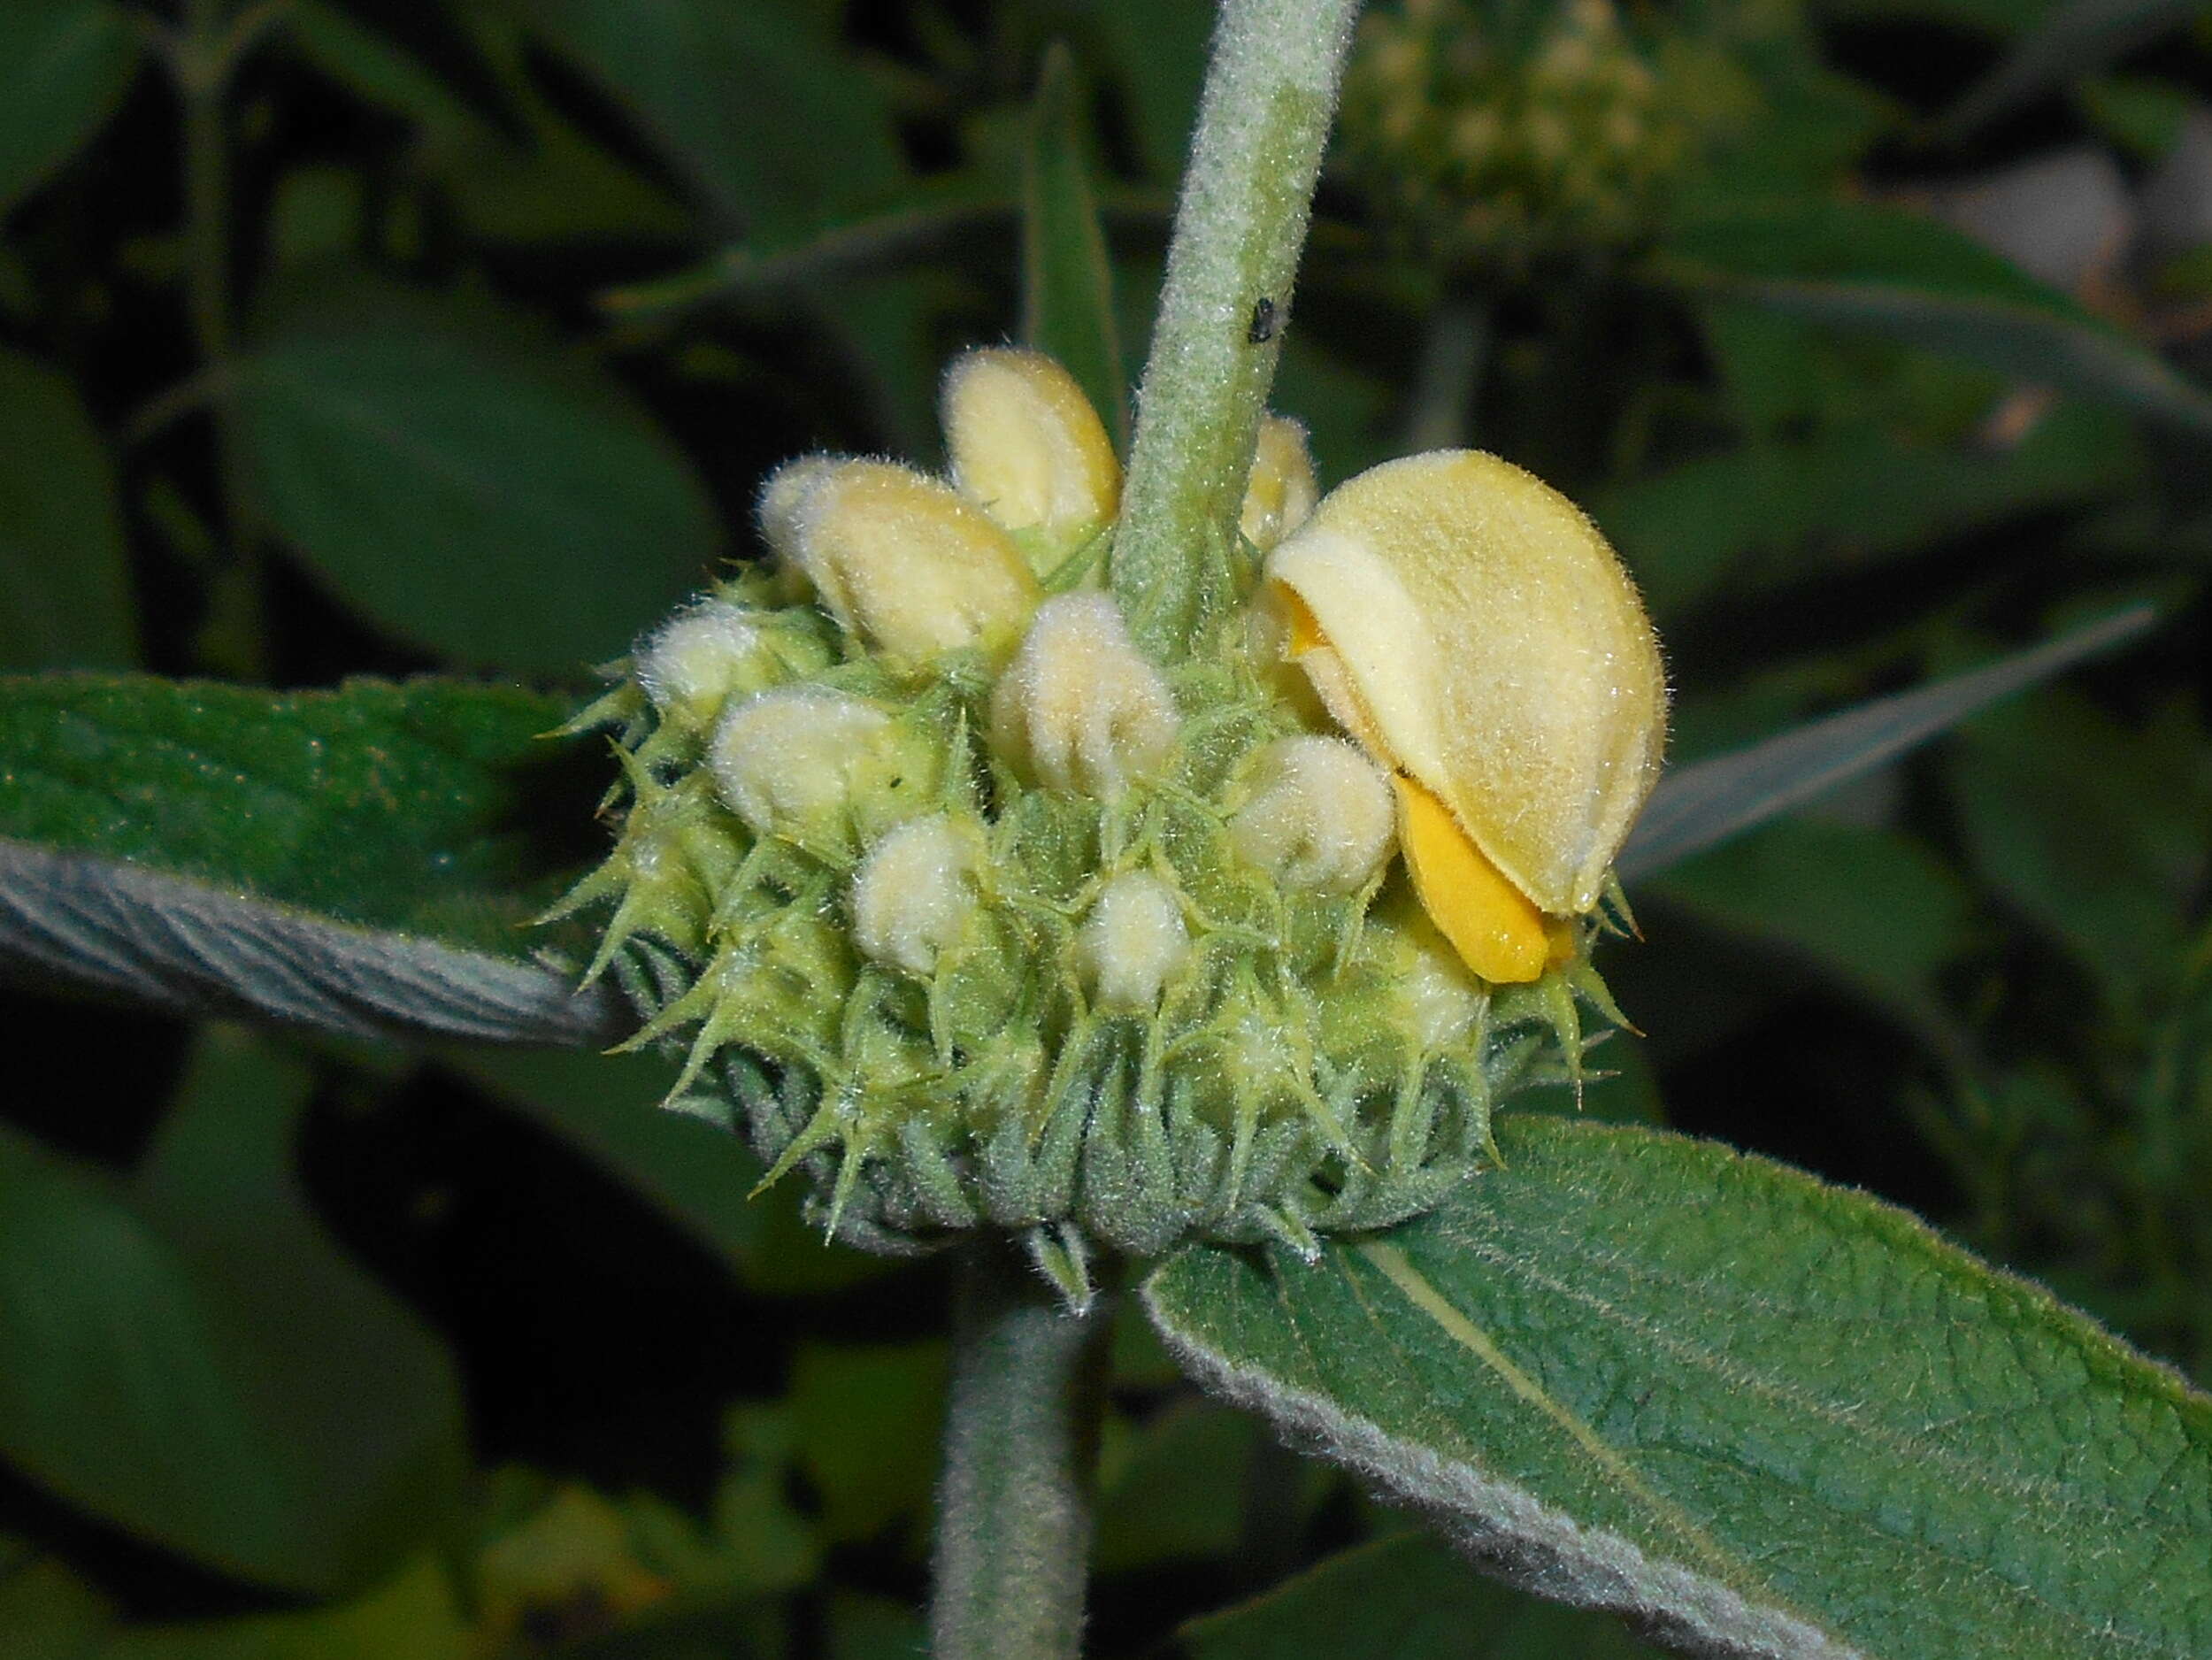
x: 1637, y: 1372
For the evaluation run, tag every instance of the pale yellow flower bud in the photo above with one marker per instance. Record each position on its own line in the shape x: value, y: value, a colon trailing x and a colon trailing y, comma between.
x: 1473, y: 630
x: 1281, y: 491
x: 1132, y: 944
x: 816, y: 767
x: 899, y: 557
x: 914, y: 894
x: 1079, y: 707
x: 712, y: 651
x: 1026, y: 445
x: 1320, y: 815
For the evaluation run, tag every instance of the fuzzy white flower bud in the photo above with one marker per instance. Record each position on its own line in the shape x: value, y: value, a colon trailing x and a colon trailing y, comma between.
x: 1132, y: 944
x: 1320, y: 815
x: 1026, y: 445
x: 1080, y: 708
x: 915, y: 893
x: 712, y: 651
x: 1281, y: 491
x: 897, y: 556
x: 814, y: 766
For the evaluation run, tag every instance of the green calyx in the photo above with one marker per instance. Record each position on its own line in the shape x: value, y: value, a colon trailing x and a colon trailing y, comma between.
x: 954, y: 995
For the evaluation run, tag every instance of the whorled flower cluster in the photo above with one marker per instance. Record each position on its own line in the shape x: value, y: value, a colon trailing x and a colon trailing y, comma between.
x: 967, y: 907
x: 1494, y: 132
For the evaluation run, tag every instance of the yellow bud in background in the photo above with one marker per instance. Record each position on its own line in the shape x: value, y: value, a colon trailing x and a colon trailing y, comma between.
x: 1319, y: 817
x: 1081, y: 708
x: 1026, y: 445
x: 915, y: 893
x: 1132, y: 944
x: 1281, y: 491
x: 899, y: 557
x: 1471, y: 628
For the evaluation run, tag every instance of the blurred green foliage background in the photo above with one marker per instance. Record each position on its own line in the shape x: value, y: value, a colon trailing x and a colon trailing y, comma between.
x: 378, y: 336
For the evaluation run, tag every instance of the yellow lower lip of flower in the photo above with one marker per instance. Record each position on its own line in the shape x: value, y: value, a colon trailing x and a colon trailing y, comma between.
x: 1496, y: 931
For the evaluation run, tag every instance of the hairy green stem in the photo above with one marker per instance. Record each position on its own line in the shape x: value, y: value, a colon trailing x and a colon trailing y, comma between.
x: 1263, y: 123
x: 1021, y: 1438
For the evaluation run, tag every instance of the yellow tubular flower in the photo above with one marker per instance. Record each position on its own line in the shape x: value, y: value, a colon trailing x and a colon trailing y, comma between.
x: 1281, y: 490
x: 1026, y: 446
x: 1472, y: 630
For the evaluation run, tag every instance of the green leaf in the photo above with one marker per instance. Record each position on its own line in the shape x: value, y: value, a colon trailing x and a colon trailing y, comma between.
x: 864, y: 1421
x: 2096, y: 831
x: 698, y: 1175
x: 2072, y: 40
x: 1158, y: 47
x: 1764, y: 513
x: 1176, y: 1485
x: 1067, y: 279
x: 750, y: 101
x: 190, y: 1357
x: 416, y: 1616
x: 1405, y: 1597
x: 1860, y: 904
x: 64, y: 66
x: 1700, y: 806
x: 1771, y: 1416
x: 474, y: 490
x: 1912, y: 278
x: 354, y: 860
x: 65, y: 577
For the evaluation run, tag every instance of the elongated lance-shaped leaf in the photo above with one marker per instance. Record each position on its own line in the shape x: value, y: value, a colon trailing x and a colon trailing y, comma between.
x: 2076, y: 38
x: 1768, y: 1417
x: 358, y: 861
x: 1067, y: 279
x: 1701, y: 805
x: 1911, y: 278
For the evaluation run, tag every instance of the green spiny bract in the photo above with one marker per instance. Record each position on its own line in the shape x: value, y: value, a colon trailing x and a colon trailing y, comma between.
x: 1033, y: 934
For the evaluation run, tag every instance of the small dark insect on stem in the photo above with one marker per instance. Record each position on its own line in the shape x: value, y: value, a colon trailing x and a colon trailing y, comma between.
x: 1262, y: 327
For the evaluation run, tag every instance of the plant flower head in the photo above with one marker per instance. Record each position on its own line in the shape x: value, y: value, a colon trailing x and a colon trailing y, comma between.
x: 1472, y: 630
x: 960, y: 902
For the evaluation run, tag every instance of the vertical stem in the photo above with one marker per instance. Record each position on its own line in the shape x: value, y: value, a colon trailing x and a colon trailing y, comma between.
x: 1449, y: 376
x: 233, y: 638
x: 1247, y: 193
x: 1021, y: 1438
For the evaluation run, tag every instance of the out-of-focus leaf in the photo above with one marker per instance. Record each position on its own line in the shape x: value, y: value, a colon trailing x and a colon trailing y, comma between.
x: 1175, y: 1486
x: 356, y: 860
x: 864, y: 1422
x: 546, y: 182
x: 64, y: 67
x: 65, y: 580
x: 47, y: 1611
x: 2097, y: 831
x: 1158, y: 47
x: 749, y: 99
x: 698, y: 1175
x: 874, y: 1628
x: 931, y: 219
x: 1067, y: 279
x: 415, y: 1617
x: 1772, y: 1416
x: 1915, y: 280
x: 1858, y: 902
x: 1700, y: 806
x: 190, y: 1357
x: 469, y: 488
x: 2072, y: 39
x: 1404, y: 1597
x: 1766, y: 512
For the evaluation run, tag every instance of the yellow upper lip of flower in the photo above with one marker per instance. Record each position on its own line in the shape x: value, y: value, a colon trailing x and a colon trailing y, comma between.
x: 1472, y: 629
